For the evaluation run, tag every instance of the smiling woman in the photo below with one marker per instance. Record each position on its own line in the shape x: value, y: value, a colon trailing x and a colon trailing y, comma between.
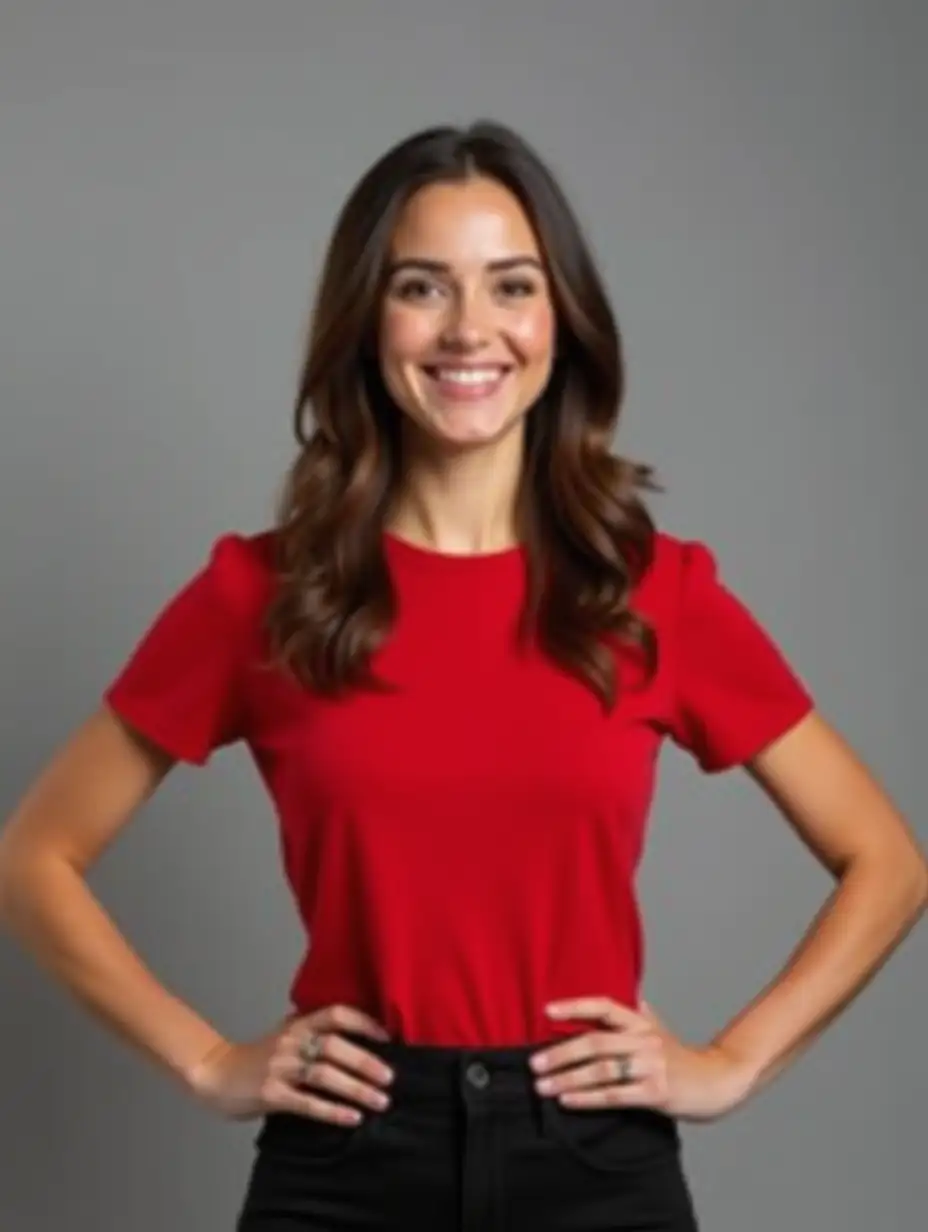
x: 490, y: 379
x: 454, y: 660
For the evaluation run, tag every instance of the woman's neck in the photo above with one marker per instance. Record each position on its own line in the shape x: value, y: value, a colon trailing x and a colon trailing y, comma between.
x: 462, y: 503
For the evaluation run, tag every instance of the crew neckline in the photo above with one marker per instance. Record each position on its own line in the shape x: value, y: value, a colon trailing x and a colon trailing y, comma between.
x: 417, y: 552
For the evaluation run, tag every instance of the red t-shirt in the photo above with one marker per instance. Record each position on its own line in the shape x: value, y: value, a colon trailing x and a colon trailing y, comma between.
x: 464, y: 850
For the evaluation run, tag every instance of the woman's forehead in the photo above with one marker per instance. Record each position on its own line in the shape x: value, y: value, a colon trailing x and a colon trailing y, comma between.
x: 476, y: 220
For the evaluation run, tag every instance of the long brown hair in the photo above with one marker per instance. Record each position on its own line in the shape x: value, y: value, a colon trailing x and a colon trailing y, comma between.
x: 587, y: 533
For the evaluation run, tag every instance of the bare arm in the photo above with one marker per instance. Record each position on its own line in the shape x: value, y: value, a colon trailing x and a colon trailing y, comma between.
x: 847, y: 821
x: 87, y: 793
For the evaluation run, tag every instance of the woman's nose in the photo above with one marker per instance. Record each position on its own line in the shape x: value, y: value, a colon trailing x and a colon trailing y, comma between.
x: 466, y: 326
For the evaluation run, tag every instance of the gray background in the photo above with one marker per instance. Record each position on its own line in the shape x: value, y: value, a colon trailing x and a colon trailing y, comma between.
x: 753, y: 181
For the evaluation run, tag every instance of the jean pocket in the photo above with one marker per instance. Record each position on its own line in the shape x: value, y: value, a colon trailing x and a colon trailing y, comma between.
x: 613, y: 1139
x: 304, y: 1139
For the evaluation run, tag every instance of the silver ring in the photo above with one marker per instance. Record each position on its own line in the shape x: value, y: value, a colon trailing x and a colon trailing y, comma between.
x: 309, y: 1048
x: 625, y: 1069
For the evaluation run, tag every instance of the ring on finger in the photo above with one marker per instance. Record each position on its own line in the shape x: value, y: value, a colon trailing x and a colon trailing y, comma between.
x: 625, y: 1074
x: 310, y: 1049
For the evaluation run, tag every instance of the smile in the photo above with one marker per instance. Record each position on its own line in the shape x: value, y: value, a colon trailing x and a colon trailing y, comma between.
x: 467, y: 382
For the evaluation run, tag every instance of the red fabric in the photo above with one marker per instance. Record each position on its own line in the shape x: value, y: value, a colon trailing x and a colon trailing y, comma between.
x: 464, y: 850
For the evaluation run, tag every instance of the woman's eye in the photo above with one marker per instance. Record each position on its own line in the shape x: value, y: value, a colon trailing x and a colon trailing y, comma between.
x: 421, y: 288
x: 517, y: 287
x: 414, y: 288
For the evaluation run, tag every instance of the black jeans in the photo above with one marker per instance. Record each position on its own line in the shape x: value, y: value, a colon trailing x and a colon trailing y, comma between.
x: 468, y: 1145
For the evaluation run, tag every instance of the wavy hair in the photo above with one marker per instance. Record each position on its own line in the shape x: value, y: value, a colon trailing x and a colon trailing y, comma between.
x: 586, y: 531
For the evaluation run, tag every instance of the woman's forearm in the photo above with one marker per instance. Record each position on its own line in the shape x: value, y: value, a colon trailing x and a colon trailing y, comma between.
x: 872, y: 909
x: 47, y: 906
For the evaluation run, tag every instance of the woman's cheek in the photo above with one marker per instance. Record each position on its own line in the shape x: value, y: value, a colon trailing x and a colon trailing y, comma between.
x: 534, y: 332
x: 405, y: 336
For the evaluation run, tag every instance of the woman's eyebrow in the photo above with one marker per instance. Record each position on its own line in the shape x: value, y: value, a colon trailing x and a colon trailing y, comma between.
x: 443, y: 267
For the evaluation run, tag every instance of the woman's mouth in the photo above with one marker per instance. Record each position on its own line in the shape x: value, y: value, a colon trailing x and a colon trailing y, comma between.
x: 467, y: 384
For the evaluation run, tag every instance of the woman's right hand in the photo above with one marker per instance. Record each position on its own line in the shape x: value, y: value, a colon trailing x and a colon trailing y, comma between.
x: 243, y: 1081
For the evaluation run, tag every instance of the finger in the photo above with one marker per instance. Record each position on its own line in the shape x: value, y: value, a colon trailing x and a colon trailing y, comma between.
x: 601, y: 1009
x: 572, y: 1051
x: 346, y: 1018
x: 626, y: 1095
x: 353, y: 1057
x: 603, y: 1071
x: 334, y: 1048
x: 589, y: 1044
x: 330, y: 1079
x: 281, y: 1096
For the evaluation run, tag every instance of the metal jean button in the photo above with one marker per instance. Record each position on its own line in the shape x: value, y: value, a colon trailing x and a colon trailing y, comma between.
x: 478, y: 1075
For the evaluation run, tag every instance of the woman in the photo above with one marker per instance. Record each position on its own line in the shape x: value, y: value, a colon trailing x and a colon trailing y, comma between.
x: 454, y: 658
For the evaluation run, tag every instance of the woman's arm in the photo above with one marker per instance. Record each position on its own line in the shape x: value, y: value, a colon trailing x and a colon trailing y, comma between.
x: 88, y: 792
x: 847, y: 821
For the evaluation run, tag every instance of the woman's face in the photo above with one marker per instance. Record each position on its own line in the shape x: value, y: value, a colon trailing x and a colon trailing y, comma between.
x: 467, y: 327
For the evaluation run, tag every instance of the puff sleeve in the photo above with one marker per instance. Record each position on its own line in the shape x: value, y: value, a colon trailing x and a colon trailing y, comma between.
x: 734, y: 691
x: 181, y: 685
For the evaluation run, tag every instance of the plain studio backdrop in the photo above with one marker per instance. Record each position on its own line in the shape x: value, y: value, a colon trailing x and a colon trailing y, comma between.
x: 753, y: 181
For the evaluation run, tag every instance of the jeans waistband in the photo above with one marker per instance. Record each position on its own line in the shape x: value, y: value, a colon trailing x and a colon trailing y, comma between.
x: 429, y: 1072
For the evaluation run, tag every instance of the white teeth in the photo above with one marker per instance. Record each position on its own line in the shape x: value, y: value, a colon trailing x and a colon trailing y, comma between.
x: 470, y: 376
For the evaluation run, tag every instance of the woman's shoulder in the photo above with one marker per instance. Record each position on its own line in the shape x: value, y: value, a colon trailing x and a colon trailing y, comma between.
x: 673, y: 559
x: 240, y: 565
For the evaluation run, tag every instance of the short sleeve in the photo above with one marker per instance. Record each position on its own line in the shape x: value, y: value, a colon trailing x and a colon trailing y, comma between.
x: 734, y: 691
x: 181, y: 686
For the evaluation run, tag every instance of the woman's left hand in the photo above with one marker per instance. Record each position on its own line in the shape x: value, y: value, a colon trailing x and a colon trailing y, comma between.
x: 690, y: 1083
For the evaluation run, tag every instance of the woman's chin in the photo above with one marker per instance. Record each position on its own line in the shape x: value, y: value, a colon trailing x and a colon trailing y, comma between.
x: 471, y: 426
